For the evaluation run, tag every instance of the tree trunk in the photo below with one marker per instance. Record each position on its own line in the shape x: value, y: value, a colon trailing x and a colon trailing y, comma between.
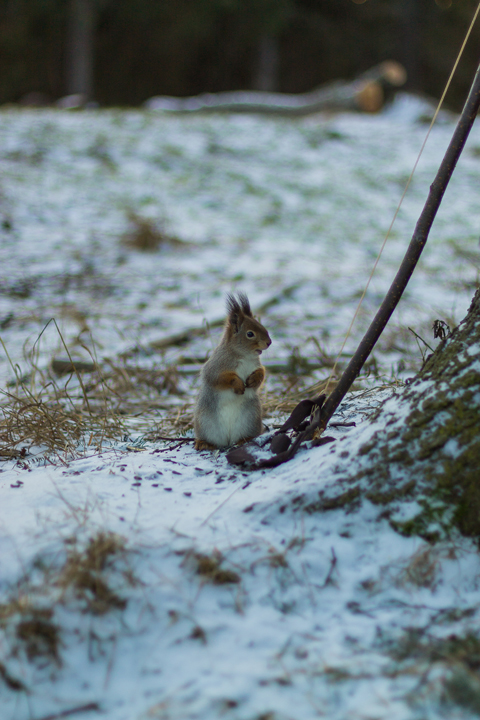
x: 410, y: 41
x: 266, y: 73
x: 80, y: 35
x: 424, y: 445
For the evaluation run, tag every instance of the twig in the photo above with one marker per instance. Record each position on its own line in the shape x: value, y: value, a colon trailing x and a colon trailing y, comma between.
x: 333, y: 565
x: 342, y: 424
x: 89, y: 707
x: 172, y: 439
x: 418, y: 337
x: 220, y: 505
x: 176, y: 447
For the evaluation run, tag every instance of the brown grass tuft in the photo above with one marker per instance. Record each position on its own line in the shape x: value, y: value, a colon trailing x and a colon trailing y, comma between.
x: 423, y: 568
x: 144, y: 235
x: 34, y: 629
x: 83, y: 570
x: 208, y: 567
x: 36, y: 411
x: 40, y: 636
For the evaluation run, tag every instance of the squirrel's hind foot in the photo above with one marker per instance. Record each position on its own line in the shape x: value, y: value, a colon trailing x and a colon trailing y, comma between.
x: 204, y: 445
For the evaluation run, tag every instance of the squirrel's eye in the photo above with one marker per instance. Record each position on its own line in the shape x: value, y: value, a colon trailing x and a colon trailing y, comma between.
x: 250, y: 334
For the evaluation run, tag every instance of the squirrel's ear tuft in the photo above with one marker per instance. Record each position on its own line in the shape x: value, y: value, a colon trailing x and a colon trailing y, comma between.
x: 234, y: 312
x: 233, y: 307
x: 237, y: 309
x: 245, y: 304
x: 242, y: 305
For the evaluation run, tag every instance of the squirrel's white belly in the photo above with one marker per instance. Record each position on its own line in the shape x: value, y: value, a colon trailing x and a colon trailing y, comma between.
x: 234, y: 416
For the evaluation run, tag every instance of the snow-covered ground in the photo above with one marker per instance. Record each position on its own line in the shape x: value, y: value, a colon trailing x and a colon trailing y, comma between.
x: 228, y: 599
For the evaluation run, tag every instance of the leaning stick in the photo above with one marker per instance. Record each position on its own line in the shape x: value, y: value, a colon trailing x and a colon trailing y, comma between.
x: 415, y: 249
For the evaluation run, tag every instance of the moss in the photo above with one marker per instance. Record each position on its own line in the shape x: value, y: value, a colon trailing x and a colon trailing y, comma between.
x: 414, y: 457
x: 442, y: 410
x: 415, y: 644
x: 463, y: 689
x: 467, y: 511
x: 387, y: 496
x: 349, y: 497
x: 418, y: 525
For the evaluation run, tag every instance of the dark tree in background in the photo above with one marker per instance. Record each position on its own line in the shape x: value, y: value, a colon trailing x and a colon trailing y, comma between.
x: 124, y: 51
x: 80, y: 39
x: 32, y: 38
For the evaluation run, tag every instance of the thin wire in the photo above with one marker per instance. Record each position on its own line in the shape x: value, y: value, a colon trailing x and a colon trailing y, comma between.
x: 440, y: 103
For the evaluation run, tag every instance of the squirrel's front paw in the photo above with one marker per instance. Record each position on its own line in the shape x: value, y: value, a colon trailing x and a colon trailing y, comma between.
x: 238, y: 386
x: 256, y: 378
x: 229, y: 380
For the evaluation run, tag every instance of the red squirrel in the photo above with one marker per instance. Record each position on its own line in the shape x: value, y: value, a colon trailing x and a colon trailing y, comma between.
x: 228, y: 408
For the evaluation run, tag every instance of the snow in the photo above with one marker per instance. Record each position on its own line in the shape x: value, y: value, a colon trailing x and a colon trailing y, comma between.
x: 323, y: 599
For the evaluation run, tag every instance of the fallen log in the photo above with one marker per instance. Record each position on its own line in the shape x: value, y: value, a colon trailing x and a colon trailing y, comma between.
x: 366, y: 94
x: 184, y: 336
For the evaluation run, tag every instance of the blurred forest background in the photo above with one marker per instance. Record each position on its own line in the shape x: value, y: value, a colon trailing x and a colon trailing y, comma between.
x: 121, y: 52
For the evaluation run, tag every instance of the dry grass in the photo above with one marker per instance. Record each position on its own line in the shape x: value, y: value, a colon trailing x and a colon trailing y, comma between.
x: 422, y: 570
x: 53, y: 420
x: 173, y: 423
x: 129, y: 388
x: 84, y: 573
x: 65, y: 421
x: 40, y: 636
x: 284, y: 402
x: 26, y: 422
x: 68, y: 422
x: 208, y: 567
x: 33, y: 627
x: 69, y: 411
x: 56, y: 418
